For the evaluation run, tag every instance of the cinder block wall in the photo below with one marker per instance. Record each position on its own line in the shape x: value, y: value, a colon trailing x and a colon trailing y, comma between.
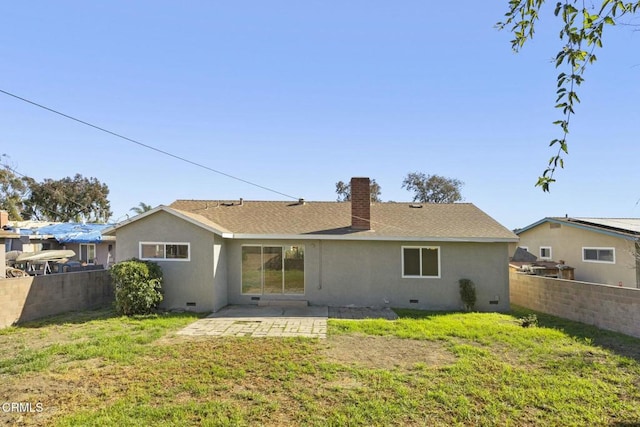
x: 31, y: 298
x: 605, y: 306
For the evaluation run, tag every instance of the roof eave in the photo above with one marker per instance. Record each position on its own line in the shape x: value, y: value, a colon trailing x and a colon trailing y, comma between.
x: 370, y: 238
x: 111, y: 230
x: 581, y: 226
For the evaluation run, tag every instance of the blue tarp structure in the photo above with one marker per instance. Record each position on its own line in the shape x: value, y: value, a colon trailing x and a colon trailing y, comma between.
x: 70, y: 232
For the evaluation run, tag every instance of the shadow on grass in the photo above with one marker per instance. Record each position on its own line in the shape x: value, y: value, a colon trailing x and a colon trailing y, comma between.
x: 618, y: 343
x: 71, y: 317
x: 408, y: 313
x: 102, y: 313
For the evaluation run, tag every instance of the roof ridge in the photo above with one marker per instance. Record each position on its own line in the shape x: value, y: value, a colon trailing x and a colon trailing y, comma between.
x: 320, y: 201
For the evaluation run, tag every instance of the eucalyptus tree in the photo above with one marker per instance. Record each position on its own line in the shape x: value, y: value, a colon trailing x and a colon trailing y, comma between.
x: 433, y: 188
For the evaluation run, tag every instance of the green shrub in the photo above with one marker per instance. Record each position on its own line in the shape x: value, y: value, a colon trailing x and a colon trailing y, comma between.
x: 529, y: 320
x: 467, y: 294
x: 138, y: 286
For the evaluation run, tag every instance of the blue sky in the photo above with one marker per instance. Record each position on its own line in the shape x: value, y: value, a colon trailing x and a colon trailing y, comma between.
x: 296, y: 96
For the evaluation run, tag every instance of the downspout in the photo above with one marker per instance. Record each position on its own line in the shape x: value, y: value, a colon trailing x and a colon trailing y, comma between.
x: 319, y: 264
x: 636, y: 254
x: 213, y: 268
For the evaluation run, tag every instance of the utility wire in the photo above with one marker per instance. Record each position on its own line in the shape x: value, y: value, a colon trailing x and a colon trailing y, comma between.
x: 166, y: 153
x: 150, y: 147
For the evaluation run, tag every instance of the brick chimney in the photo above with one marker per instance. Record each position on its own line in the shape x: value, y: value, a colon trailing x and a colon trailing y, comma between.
x: 4, y: 218
x: 360, y: 204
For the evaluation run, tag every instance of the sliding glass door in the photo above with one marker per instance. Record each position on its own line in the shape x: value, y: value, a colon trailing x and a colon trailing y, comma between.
x: 272, y: 269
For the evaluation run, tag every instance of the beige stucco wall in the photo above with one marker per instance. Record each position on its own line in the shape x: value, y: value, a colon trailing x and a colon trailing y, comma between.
x: 567, y: 243
x: 341, y: 273
x: 184, y: 281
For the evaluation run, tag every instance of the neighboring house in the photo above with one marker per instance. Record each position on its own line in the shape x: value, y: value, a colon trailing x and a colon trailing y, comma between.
x: 322, y: 253
x: 602, y: 250
x: 86, y: 240
x: 4, y: 236
x: 525, y: 262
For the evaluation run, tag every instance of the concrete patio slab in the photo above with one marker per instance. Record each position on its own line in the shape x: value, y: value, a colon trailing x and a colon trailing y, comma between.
x: 262, y: 321
x: 273, y: 321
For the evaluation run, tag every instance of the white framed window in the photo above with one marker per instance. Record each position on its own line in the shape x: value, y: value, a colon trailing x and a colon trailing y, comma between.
x: 421, y: 262
x: 604, y: 255
x: 165, y: 251
x: 545, y: 252
x: 88, y: 253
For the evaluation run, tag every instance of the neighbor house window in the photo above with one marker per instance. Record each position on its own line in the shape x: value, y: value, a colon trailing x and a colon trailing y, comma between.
x: 421, y: 261
x: 88, y: 253
x: 606, y: 255
x: 545, y: 252
x: 272, y: 269
x: 167, y: 251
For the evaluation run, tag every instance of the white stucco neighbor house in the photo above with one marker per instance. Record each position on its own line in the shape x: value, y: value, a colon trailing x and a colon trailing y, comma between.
x: 215, y: 253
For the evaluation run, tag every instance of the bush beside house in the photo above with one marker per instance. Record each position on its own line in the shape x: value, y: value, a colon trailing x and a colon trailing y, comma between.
x: 138, y: 286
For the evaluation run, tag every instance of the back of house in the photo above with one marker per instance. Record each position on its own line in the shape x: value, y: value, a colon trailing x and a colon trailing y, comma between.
x: 214, y: 253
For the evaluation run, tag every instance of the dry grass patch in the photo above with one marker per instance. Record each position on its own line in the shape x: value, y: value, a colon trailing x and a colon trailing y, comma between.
x: 386, y: 352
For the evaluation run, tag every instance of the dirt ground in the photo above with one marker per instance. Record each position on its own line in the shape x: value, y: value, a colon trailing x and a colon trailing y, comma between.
x: 386, y: 352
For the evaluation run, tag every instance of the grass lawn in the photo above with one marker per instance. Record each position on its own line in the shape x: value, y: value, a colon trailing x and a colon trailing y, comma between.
x: 94, y: 368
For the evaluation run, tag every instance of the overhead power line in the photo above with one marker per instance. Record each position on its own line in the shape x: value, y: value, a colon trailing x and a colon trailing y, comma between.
x: 147, y: 146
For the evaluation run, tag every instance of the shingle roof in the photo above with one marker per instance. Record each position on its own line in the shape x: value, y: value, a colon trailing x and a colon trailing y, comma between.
x: 458, y: 221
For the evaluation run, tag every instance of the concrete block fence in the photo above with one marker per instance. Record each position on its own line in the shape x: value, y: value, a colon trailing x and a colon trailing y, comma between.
x: 30, y: 298
x: 608, y: 307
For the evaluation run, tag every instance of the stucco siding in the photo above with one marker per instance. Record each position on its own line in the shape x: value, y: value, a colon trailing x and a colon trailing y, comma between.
x: 102, y: 252
x: 341, y: 273
x: 567, y: 242
x: 185, y: 282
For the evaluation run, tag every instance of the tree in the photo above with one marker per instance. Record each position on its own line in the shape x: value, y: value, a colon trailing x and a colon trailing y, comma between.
x: 344, y: 191
x: 69, y: 199
x: 580, y: 34
x: 13, y: 190
x: 141, y: 208
x: 433, y: 188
